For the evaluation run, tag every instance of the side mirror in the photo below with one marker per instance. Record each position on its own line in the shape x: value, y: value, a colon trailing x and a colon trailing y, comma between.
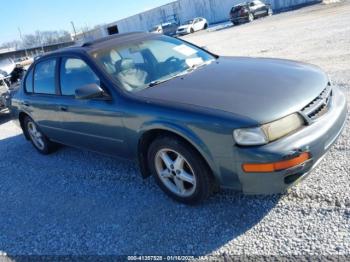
x: 91, y: 91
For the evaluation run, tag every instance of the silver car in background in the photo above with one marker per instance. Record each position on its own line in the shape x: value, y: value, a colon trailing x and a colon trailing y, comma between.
x: 168, y: 29
x: 4, y: 93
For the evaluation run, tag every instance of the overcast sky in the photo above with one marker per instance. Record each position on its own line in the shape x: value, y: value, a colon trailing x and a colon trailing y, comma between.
x: 32, y: 15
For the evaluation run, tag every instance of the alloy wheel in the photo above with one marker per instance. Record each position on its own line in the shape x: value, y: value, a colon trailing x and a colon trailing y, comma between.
x: 175, y: 172
x: 35, y: 135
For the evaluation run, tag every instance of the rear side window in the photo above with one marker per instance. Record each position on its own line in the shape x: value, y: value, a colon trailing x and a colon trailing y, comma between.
x: 44, y: 77
x: 75, y: 73
x: 29, y: 82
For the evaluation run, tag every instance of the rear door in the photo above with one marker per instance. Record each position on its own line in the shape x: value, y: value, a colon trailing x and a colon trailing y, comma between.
x: 94, y: 124
x: 197, y: 24
x: 42, y: 100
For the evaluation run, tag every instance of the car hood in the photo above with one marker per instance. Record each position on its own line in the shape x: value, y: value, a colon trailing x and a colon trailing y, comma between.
x: 261, y: 89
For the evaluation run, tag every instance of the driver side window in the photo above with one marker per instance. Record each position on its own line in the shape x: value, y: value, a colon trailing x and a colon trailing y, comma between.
x: 75, y: 73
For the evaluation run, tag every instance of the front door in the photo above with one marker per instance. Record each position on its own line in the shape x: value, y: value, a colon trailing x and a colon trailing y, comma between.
x: 93, y: 124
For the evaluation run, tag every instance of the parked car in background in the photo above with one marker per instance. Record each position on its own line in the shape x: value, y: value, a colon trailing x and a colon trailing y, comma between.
x: 247, y: 12
x: 192, y: 119
x: 17, y: 74
x: 6, y: 67
x: 25, y: 62
x: 192, y: 26
x: 168, y: 29
x: 4, y: 93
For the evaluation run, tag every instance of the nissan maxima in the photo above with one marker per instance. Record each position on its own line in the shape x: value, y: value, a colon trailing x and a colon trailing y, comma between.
x: 193, y: 120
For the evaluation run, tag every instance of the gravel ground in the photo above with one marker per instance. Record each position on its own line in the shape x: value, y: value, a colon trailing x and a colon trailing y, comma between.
x: 77, y: 202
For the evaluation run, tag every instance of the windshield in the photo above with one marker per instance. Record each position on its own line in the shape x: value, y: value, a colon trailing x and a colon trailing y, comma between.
x: 144, y: 64
x: 190, y: 22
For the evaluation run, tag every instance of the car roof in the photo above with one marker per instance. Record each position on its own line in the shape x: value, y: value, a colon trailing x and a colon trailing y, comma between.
x: 100, y: 43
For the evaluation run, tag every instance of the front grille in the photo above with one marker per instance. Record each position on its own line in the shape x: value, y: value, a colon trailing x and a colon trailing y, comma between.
x: 319, y: 106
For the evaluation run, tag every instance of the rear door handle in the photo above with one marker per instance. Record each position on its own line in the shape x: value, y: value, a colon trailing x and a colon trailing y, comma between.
x: 63, y: 108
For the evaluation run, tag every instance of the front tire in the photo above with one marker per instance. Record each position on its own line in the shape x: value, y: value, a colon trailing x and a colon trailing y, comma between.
x: 37, y: 138
x: 250, y: 18
x: 270, y: 11
x: 179, y: 170
x: 191, y: 30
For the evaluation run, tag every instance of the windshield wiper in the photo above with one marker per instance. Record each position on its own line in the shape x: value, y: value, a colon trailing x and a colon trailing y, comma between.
x: 196, y: 66
x: 187, y: 71
x: 157, y: 82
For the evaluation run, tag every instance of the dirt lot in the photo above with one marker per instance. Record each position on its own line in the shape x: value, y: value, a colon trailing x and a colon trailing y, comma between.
x: 77, y: 202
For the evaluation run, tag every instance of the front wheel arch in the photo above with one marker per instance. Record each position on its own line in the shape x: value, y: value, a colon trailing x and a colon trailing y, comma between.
x: 149, y: 136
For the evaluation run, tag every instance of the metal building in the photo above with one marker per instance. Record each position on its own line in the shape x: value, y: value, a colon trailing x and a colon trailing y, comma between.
x: 215, y: 11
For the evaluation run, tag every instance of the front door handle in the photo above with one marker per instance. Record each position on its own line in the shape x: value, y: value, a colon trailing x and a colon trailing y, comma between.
x: 63, y: 108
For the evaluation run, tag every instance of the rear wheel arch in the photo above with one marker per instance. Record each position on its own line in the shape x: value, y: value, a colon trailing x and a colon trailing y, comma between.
x: 21, y: 117
x: 151, y: 135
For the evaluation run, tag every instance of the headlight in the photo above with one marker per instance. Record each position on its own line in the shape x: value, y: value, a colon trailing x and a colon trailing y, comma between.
x: 268, y: 132
x: 250, y: 136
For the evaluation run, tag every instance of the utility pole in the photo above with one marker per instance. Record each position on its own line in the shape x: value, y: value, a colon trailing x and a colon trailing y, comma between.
x: 75, y: 32
x: 20, y: 35
x: 41, y: 42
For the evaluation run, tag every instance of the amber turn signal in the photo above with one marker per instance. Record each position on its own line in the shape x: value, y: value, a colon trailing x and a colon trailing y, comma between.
x: 276, y: 166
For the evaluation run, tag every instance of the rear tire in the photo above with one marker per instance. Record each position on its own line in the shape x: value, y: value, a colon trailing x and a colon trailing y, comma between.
x: 205, y: 26
x: 180, y: 171
x: 41, y: 143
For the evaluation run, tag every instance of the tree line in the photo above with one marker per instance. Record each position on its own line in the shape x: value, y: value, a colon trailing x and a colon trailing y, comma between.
x: 39, y: 38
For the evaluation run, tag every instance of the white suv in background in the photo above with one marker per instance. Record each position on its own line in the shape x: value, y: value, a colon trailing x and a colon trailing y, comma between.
x: 192, y: 26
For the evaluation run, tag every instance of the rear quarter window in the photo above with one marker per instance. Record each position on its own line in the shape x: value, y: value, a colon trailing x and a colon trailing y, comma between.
x: 44, y: 77
x: 28, y: 84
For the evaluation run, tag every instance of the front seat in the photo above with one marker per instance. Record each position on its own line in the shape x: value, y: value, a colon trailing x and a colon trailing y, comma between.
x: 129, y: 75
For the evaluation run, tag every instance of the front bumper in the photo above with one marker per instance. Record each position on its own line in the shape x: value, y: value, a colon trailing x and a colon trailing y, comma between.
x: 182, y: 32
x: 316, y: 139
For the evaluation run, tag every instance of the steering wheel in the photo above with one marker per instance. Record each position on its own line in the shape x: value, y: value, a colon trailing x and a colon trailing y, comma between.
x: 172, y: 59
x: 173, y: 63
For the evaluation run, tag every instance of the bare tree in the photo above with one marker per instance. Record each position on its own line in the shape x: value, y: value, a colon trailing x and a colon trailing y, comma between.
x: 39, y: 38
x: 12, y: 44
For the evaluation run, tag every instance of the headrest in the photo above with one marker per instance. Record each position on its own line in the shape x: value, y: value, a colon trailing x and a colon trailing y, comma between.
x: 125, y: 64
